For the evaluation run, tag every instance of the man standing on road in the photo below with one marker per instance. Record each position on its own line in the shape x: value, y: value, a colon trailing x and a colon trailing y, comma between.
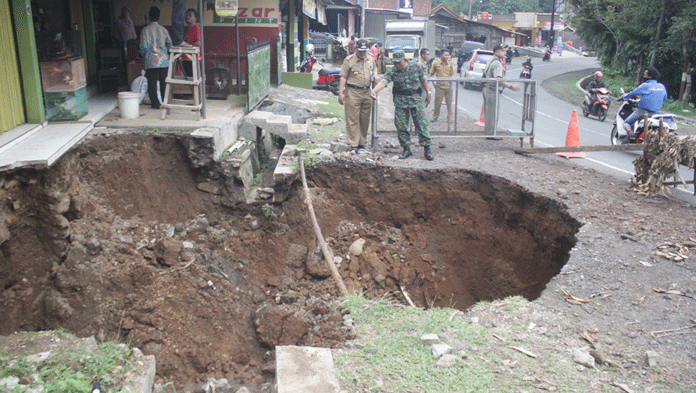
x: 357, y: 72
x: 409, y: 79
x: 653, y: 95
x: 494, y: 70
x: 423, y: 60
x: 442, y: 69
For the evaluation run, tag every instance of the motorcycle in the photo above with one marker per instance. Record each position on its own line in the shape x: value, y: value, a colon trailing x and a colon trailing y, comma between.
x: 526, y: 72
x: 328, y: 77
x: 547, y: 55
x: 599, y: 107
x: 618, y: 133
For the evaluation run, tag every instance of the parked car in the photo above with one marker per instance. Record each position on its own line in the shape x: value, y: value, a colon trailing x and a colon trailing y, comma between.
x: 476, y: 66
x: 468, y: 48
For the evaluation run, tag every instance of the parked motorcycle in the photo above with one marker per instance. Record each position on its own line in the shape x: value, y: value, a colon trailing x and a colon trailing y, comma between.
x: 526, y: 72
x: 599, y: 107
x: 328, y: 77
x: 618, y: 133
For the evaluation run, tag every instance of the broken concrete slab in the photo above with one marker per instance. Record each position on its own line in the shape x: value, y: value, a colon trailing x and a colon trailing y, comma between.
x: 305, y: 370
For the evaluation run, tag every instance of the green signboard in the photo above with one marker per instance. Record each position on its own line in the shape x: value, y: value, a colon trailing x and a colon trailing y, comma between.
x: 259, y: 70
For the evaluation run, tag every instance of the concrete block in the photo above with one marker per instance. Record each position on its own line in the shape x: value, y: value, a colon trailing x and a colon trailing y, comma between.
x: 247, y: 130
x: 285, y: 173
x: 296, y: 133
x: 142, y: 377
x: 258, y: 118
x: 305, y: 370
x: 279, y: 125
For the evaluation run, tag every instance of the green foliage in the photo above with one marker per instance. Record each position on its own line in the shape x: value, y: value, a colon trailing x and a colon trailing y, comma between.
x: 72, y: 372
x: 683, y: 108
x: 18, y: 368
x: 310, y: 160
x: 64, y: 380
x: 625, y: 35
x: 258, y: 178
x: 267, y: 210
x: 277, y: 141
x: 306, y: 145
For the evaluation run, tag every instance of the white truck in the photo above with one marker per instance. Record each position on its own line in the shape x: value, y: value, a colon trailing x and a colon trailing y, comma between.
x: 410, y: 36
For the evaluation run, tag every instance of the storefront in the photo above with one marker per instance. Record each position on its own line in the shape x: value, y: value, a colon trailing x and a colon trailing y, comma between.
x: 53, y: 50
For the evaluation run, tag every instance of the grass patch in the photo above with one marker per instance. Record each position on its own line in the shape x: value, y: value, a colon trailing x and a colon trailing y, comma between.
x: 69, y: 370
x: 331, y: 109
x: 387, y: 355
x: 394, y: 360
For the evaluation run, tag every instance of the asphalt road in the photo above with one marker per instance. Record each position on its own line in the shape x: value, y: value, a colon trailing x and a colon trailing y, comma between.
x: 553, y: 117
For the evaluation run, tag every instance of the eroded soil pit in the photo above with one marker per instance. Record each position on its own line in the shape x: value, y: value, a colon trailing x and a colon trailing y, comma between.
x: 127, y: 238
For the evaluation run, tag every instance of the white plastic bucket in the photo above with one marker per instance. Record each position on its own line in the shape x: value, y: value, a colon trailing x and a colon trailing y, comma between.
x: 129, y: 104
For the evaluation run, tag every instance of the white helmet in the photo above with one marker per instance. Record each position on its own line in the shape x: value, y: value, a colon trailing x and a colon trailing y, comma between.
x: 309, y: 48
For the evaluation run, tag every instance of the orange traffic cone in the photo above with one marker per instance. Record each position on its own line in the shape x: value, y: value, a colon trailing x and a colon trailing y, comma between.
x: 573, y: 138
x: 482, y: 118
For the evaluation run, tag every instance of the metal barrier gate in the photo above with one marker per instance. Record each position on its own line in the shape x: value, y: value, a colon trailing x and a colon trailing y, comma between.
x: 529, y: 101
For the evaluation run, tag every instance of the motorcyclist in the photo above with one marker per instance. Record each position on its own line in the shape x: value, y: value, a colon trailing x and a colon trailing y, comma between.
x: 593, y: 86
x: 528, y: 65
x: 308, y: 63
x: 547, y: 53
x: 652, y: 95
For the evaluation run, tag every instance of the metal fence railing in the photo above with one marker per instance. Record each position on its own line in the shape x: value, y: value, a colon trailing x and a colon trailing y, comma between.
x: 527, y: 115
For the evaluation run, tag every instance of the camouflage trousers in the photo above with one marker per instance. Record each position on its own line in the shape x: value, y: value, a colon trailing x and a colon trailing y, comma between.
x: 401, y: 121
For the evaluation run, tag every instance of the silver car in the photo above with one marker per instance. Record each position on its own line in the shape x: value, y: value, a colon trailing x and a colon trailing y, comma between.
x: 475, y: 67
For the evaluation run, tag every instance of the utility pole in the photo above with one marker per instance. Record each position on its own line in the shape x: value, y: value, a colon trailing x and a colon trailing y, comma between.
x: 552, y: 37
x: 362, y: 18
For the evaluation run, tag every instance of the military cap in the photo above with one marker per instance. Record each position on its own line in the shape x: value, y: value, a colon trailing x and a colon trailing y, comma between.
x: 398, y: 55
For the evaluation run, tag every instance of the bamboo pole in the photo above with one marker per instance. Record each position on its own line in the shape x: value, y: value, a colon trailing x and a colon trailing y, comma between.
x: 328, y: 256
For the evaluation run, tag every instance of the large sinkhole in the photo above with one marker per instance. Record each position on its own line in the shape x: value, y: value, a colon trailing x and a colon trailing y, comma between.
x: 122, y: 236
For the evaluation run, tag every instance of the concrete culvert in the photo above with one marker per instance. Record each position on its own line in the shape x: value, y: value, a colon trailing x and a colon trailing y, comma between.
x: 120, y: 238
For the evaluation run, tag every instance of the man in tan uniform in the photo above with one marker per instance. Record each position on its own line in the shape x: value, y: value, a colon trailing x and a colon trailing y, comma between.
x: 442, y: 68
x: 354, y: 88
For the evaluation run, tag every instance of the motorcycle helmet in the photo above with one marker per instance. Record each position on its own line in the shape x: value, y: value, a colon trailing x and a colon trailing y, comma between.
x: 598, y: 75
x: 309, y: 48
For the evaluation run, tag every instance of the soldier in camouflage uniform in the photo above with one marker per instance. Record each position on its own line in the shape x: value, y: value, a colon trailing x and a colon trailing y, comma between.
x: 408, y: 78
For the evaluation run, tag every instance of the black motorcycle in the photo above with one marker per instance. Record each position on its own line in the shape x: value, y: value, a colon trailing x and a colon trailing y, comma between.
x: 526, y: 71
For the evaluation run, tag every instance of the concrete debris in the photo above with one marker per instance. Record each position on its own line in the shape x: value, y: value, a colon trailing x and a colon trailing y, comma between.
x: 209, y: 187
x: 325, y: 121
x: 252, y: 223
x: 441, y: 349
x: 357, y: 247
x: 651, y: 358
x: 583, y: 358
x: 447, y: 361
x: 428, y: 339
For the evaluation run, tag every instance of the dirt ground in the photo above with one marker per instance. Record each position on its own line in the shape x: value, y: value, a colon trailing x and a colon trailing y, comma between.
x: 126, y: 238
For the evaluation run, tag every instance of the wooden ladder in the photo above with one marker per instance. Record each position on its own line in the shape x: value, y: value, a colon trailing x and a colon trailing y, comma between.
x: 195, y: 81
